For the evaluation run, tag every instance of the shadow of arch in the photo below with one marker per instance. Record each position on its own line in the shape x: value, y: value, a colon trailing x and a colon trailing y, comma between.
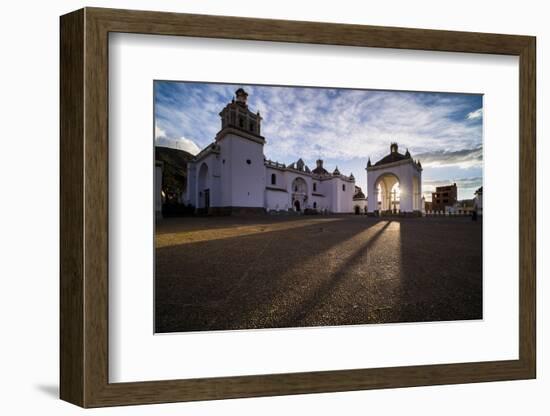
x: 243, y: 275
x: 317, y: 297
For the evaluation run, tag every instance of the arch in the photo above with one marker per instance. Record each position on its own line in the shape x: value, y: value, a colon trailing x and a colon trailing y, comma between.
x: 299, y: 186
x: 357, y: 209
x: 203, y: 187
x: 387, y: 188
x: 299, y: 193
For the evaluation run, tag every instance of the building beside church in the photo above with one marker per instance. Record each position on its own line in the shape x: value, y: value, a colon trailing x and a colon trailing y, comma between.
x: 232, y: 174
x: 478, y: 201
x: 444, y: 196
x: 395, y: 183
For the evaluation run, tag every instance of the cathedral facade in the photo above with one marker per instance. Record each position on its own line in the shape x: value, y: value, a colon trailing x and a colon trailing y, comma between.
x: 233, y: 175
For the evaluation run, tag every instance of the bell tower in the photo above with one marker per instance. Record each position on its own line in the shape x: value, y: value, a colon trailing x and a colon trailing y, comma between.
x: 237, y: 115
x: 242, y: 170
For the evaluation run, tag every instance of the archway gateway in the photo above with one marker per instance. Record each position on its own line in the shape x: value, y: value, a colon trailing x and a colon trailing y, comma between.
x: 395, y: 183
x: 388, y: 193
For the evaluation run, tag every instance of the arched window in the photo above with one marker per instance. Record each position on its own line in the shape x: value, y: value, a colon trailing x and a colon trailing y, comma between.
x: 314, y: 187
x: 315, y: 205
x: 273, y: 179
x: 344, y: 187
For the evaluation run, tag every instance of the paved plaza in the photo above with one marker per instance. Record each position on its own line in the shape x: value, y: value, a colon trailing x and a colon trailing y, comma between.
x: 223, y: 273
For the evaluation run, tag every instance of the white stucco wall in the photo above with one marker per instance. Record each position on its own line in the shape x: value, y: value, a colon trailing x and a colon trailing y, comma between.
x: 277, y: 200
x: 404, y: 171
x: 247, y: 180
x: 361, y: 203
x: 339, y: 200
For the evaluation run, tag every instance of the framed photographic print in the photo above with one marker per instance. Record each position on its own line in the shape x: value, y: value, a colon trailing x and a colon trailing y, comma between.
x: 255, y: 207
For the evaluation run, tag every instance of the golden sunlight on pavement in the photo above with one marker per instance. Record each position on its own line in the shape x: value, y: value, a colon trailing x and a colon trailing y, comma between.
x: 194, y: 236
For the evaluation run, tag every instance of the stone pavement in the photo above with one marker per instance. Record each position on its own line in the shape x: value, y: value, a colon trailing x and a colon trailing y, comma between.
x: 222, y: 273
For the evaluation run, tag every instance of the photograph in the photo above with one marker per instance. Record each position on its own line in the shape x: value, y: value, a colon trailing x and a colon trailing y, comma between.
x: 267, y: 204
x: 291, y: 206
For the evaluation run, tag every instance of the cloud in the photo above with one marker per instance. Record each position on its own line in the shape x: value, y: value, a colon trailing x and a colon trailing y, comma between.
x: 475, y: 114
x: 159, y: 133
x: 342, y: 126
x: 463, y: 158
x: 175, y: 143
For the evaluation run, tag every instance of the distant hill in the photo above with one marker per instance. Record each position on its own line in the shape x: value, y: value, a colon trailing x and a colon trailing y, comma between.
x: 174, y: 176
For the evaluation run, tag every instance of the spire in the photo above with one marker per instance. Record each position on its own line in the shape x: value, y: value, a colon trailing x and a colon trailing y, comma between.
x: 336, y: 171
x: 352, y: 177
x: 407, y: 154
x: 369, y: 164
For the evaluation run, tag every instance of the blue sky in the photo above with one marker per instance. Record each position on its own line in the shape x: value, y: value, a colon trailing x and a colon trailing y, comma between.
x: 344, y: 127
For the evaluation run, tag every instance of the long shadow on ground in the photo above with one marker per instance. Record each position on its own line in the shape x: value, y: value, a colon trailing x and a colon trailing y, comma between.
x: 352, y: 271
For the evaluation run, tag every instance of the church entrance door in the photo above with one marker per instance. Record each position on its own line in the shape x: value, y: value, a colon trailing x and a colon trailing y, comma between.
x: 297, y: 206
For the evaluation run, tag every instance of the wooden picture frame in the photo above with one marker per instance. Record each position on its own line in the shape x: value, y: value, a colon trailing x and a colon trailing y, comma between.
x: 84, y: 207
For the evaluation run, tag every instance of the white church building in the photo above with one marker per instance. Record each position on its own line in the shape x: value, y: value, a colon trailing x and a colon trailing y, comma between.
x: 232, y: 174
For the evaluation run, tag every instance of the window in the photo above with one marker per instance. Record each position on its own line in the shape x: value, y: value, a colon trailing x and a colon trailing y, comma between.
x: 241, y: 122
x: 315, y: 205
x: 314, y: 187
x: 296, y: 188
x: 248, y: 161
x: 344, y: 187
x: 273, y: 179
x: 252, y: 126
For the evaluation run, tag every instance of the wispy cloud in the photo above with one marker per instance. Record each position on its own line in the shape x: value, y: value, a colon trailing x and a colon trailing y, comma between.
x: 344, y: 127
x: 463, y: 158
x: 475, y: 114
